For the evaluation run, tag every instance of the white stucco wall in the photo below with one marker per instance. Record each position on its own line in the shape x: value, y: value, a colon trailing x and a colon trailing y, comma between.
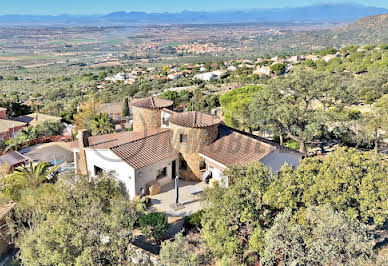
x: 110, y: 162
x: 276, y: 159
x: 149, y: 173
x: 165, y: 116
x: 217, y: 170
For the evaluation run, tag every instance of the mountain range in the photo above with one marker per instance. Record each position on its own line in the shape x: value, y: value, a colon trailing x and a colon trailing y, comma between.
x: 333, y: 13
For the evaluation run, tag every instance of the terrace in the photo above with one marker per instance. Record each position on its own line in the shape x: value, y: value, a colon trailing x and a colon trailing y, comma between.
x: 189, y: 197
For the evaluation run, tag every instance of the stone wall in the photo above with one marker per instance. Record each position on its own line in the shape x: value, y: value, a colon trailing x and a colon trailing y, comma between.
x: 146, y: 119
x: 140, y: 256
x: 197, y: 138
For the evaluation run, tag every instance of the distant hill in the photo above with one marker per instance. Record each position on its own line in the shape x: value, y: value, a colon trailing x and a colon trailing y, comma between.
x: 372, y: 29
x: 315, y: 13
x: 367, y: 30
x: 334, y: 13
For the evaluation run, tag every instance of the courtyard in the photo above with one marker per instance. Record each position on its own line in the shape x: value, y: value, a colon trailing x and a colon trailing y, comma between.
x: 189, y: 198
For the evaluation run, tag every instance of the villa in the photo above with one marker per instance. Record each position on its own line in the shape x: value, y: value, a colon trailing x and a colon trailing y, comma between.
x: 164, y: 144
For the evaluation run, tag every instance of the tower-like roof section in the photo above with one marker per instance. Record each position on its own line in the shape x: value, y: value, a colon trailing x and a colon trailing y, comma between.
x: 152, y: 103
x: 194, y: 119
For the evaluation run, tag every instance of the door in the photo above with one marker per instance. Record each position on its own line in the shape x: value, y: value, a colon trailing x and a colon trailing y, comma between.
x: 173, y: 169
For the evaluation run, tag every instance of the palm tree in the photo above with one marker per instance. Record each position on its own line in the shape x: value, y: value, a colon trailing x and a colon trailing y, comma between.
x: 34, y: 175
x: 102, y: 124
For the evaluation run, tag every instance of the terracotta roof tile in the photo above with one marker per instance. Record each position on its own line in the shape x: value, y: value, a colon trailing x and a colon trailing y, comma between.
x: 152, y: 103
x: 111, y: 140
x: 232, y: 148
x: 194, y: 119
x: 6, y: 125
x: 147, y: 150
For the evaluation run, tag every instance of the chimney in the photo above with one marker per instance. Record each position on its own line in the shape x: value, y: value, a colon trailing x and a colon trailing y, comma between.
x: 3, y: 113
x: 83, y: 142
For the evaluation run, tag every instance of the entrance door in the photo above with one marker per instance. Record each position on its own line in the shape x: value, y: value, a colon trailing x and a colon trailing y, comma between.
x: 173, y: 169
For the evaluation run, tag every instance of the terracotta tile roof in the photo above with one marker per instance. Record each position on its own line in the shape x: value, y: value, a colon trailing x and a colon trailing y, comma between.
x: 232, y: 147
x: 111, y: 108
x: 33, y: 119
x: 12, y: 158
x: 6, y: 125
x: 148, y: 150
x: 152, y: 103
x: 111, y: 140
x: 168, y: 111
x: 5, y: 208
x: 194, y: 119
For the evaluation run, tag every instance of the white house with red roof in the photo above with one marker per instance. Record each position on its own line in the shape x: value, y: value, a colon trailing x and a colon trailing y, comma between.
x: 192, y: 145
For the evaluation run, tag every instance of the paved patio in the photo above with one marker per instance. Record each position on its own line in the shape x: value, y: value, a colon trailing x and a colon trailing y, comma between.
x: 189, y: 197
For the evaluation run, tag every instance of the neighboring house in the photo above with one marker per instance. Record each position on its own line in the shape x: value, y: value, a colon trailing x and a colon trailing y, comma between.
x: 118, y: 77
x: 312, y: 57
x: 232, y: 68
x: 114, y: 110
x: 165, y: 144
x: 175, y: 76
x: 35, y: 118
x: 9, y: 128
x: 217, y: 111
x: 263, y: 70
x: 208, y: 76
x: 12, y: 160
x: 54, y: 154
x: 296, y: 59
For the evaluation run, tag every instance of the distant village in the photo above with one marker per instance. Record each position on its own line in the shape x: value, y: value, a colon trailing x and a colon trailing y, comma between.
x: 262, y: 66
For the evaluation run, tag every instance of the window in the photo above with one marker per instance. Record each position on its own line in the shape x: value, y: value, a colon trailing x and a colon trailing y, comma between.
x: 165, y: 121
x: 97, y: 170
x: 183, y: 164
x: 183, y: 138
x: 202, y: 165
x: 162, y: 173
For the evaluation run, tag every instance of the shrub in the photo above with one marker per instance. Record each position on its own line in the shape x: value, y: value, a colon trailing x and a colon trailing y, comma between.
x: 292, y: 144
x: 194, y: 220
x: 278, y: 68
x: 177, y: 252
x: 383, y: 46
x: 153, y: 225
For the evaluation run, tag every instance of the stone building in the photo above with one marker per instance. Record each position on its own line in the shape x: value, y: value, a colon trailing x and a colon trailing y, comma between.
x: 147, y: 113
x: 164, y: 144
x: 192, y: 131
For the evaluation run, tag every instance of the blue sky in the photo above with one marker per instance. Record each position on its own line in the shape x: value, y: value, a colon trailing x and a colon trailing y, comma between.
x: 55, y: 7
